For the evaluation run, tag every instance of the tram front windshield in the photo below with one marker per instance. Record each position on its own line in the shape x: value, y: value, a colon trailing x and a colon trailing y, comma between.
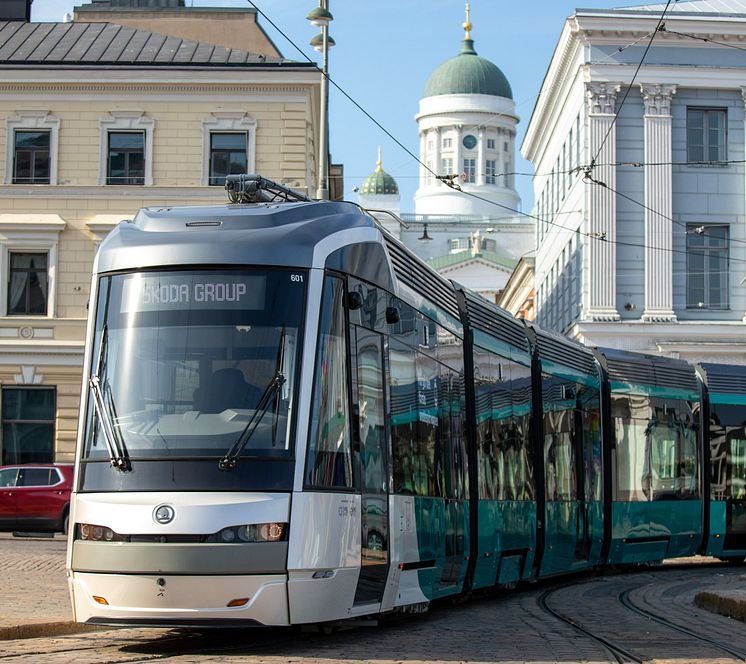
x: 184, y: 360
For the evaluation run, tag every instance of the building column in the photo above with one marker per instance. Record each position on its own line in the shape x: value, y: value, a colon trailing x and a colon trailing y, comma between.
x: 480, y: 157
x: 600, y: 297
x: 501, y: 181
x: 658, y: 204
x: 423, y: 158
x: 458, y: 155
x: 436, y: 153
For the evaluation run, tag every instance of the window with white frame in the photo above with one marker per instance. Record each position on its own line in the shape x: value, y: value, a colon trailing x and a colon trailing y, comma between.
x: 31, y: 148
x: 446, y: 166
x: 28, y: 283
x: 490, y: 170
x: 707, y: 265
x: 706, y: 134
x: 223, y: 134
x: 126, y: 148
x: 227, y: 155
x: 470, y: 170
x: 447, y: 143
x: 490, y: 143
x: 28, y: 263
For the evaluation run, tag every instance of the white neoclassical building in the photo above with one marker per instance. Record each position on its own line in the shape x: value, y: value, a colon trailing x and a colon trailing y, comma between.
x: 641, y: 189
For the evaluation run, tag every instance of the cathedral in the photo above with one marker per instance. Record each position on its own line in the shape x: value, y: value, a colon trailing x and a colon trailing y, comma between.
x: 465, y: 222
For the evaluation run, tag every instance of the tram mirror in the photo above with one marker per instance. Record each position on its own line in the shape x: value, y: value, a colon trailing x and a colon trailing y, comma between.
x: 354, y: 301
x: 393, y: 315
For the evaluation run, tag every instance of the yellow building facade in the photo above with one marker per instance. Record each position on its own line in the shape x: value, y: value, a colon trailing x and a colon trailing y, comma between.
x: 91, y: 130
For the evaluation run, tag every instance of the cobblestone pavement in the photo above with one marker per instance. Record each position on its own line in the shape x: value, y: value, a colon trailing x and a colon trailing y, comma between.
x: 508, y: 627
x: 34, y: 585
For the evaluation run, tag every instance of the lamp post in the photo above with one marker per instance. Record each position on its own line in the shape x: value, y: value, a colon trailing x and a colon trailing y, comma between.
x: 321, y: 17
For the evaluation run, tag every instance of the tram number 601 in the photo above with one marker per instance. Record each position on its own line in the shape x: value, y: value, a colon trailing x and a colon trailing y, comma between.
x: 297, y: 278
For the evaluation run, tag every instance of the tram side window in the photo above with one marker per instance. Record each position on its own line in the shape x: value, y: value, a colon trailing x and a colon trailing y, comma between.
x: 727, y: 452
x: 329, y: 462
x: 520, y: 431
x: 560, y: 438
x: 656, y: 448
x: 673, y: 447
x: 630, y: 417
x: 403, y: 415
x: 503, y: 393
x: 429, y: 478
x: 588, y: 399
x: 452, y: 432
x: 493, y: 408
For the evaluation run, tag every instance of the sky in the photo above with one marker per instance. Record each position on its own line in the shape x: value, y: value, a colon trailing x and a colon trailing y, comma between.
x: 385, y: 51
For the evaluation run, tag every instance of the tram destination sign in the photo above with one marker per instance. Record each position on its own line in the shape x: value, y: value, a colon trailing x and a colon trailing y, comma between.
x: 176, y: 292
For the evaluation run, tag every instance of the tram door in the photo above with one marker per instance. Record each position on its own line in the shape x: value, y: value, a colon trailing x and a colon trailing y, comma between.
x: 370, y: 433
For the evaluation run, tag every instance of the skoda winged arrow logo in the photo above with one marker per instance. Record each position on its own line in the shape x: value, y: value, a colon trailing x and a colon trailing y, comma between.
x: 164, y: 514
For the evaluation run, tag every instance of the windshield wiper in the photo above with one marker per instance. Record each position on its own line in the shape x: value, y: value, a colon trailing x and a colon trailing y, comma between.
x: 117, y: 455
x: 273, y: 389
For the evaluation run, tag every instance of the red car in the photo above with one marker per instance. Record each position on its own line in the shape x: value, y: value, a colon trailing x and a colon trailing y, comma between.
x: 35, y: 497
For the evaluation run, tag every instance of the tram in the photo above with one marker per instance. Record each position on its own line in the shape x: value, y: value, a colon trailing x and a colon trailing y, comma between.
x: 288, y: 418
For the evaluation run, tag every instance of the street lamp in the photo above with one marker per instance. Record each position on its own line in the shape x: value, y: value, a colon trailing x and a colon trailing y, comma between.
x: 321, y: 17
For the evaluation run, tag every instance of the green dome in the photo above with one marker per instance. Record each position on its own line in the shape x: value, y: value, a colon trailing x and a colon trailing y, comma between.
x: 379, y: 182
x: 467, y: 73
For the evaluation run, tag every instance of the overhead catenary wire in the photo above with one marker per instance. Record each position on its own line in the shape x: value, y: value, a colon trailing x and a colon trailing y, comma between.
x: 448, y: 180
x: 699, y: 38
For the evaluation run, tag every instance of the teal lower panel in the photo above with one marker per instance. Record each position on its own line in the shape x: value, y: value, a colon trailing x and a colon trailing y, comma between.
x: 651, y: 531
x: 574, y: 534
x: 442, y: 537
x: 506, y: 541
x: 716, y: 538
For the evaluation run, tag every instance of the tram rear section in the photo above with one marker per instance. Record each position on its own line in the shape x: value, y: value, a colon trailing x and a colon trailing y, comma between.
x: 290, y: 419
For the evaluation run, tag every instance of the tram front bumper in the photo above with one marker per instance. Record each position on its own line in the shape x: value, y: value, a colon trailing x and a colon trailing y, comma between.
x: 163, y: 600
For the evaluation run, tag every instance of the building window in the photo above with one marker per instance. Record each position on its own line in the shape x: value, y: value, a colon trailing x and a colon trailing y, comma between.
x: 31, y: 157
x: 126, y: 157
x: 430, y: 146
x: 28, y: 284
x: 31, y: 148
x: 490, y: 143
x: 446, y: 166
x: 505, y: 146
x: 236, y: 123
x: 227, y: 155
x: 447, y: 143
x: 470, y: 170
x: 28, y: 425
x: 124, y: 134
x: 706, y: 267
x: 706, y: 134
x: 490, y: 171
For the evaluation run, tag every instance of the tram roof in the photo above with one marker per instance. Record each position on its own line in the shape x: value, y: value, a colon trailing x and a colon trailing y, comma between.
x: 282, y: 234
x: 724, y: 378
x: 650, y: 370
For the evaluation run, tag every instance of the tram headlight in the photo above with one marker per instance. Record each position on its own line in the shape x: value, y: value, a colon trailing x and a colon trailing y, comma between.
x: 255, y: 532
x: 92, y: 533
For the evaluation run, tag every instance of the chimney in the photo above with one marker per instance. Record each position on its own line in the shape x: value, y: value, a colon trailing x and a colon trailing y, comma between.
x: 15, y: 10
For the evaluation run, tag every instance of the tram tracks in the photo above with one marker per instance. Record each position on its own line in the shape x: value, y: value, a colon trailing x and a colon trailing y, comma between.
x: 625, y: 600
x: 623, y: 653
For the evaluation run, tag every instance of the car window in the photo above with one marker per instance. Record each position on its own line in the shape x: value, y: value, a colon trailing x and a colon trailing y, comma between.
x: 8, y: 477
x: 35, y: 477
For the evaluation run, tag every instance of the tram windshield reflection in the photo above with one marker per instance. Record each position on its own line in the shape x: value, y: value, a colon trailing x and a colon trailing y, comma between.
x: 186, y: 357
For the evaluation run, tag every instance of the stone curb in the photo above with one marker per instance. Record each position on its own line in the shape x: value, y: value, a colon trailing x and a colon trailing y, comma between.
x: 731, y: 605
x: 39, y: 630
